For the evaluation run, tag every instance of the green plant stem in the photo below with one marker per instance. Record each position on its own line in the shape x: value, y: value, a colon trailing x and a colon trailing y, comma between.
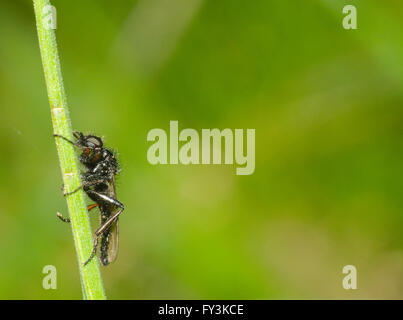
x: 90, y: 274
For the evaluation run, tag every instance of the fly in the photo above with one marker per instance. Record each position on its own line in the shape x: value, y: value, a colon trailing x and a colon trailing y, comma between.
x: 98, y: 182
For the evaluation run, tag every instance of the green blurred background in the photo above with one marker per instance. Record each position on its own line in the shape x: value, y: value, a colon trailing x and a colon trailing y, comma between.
x: 326, y: 104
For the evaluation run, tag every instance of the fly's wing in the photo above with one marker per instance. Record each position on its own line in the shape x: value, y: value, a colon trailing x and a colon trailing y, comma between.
x: 110, y: 237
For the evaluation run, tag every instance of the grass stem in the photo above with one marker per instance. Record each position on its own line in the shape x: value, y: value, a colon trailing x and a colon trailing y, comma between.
x: 90, y: 274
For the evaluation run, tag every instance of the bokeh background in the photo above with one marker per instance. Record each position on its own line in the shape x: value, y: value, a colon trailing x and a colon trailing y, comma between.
x: 326, y: 104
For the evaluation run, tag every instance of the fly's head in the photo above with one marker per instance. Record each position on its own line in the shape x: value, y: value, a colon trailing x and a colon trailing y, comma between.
x: 92, y: 149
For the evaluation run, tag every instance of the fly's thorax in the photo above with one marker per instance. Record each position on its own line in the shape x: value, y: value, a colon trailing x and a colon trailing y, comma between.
x: 91, y: 157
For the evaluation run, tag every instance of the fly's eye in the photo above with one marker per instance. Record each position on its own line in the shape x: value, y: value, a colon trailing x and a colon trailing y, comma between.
x: 94, y: 142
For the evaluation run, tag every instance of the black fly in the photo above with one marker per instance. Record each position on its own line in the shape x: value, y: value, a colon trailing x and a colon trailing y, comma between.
x: 99, y: 184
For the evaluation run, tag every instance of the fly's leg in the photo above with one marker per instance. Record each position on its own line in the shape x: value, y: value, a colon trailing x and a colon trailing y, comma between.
x: 92, y: 206
x: 106, y: 198
x: 64, y: 138
x: 76, y: 144
x: 94, y: 251
x: 100, y: 231
x: 89, y: 208
x: 107, y: 223
x: 76, y: 135
x: 70, y: 192
x: 85, y: 184
x: 59, y: 215
x: 65, y: 194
